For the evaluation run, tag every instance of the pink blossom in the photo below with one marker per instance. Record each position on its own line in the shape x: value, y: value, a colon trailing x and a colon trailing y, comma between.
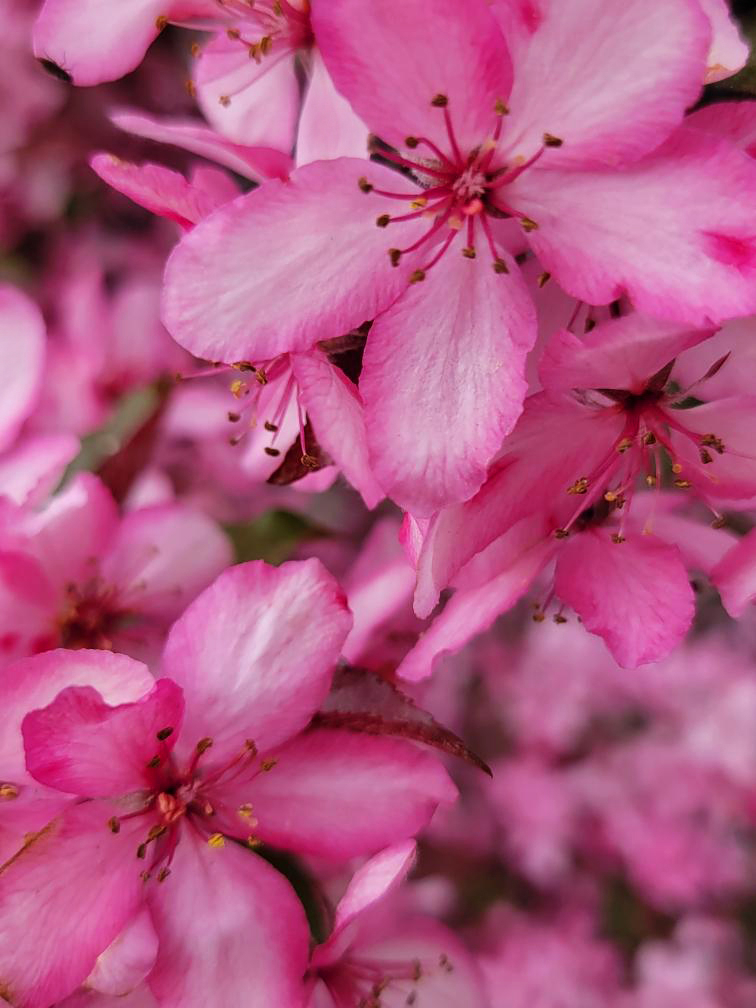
x: 376, y: 951
x: 76, y: 574
x: 565, y: 190
x: 214, y: 754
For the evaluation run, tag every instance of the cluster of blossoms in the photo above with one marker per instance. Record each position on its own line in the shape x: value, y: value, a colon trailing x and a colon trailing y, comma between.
x: 377, y: 504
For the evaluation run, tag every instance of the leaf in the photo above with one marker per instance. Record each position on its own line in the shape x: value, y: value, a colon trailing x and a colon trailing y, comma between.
x: 362, y: 701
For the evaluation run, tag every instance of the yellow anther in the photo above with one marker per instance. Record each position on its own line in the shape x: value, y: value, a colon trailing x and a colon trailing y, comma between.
x: 8, y: 792
x: 268, y: 764
x: 224, y: 100
x: 677, y: 468
x: 239, y: 388
x: 610, y: 496
x: 500, y: 107
x: 217, y: 840
x: 682, y: 484
x: 543, y: 279
x: 419, y: 203
x: 245, y: 811
x: 624, y: 444
x: 650, y: 480
x: 549, y: 140
x: 161, y: 22
x: 580, y: 486
x: 528, y: 224
x: 456, y: 223
x: 617, y: 538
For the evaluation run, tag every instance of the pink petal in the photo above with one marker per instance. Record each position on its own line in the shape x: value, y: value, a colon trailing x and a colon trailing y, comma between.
x: 139, y: 998
x: 256, y: 163
x: 390, y: 58
x: 157, y: 189
x: 251, y: 103
x: 634, y: 594
x: 732, y: 120
x: 378, y: 586
x: 30, y: 811
x: 126, y: 961
x: 286, y: 265
x: 161, y: 557
x: 520, y: 555
x: 735, y: 576
x: 604, y: 78
x: 728, y: 53
x: 418, y: 363
x: 82, y: 745
x: 372, y: 883
x: 449, y: 977
x: 729, y: 475
x: 622, y: 353
x: 555, y: 442
x: 333, y: 405
x: 63, y: 899
x: 28, y: 607
x: 94, y: 41
x: 328, y: 127
x: 701, y: 546
x: 255, y: 653
x: 231, y: 931
x: 337, y: 794
x: 32, y: 468
x: 22, y: 358
x: 674, y: 231
x: 34, y: 682
x: 70, y: 535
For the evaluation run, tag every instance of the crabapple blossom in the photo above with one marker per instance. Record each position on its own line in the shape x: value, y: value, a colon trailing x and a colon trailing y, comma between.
x: 162, y: 795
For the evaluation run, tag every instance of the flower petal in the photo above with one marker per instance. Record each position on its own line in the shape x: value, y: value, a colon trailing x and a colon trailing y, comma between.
x: 453, y: 346
x: 82, y: 745
x: 733, y: 120
x: 231, y: 931
x: 34, y: 682
x: 728, y: 53
x: 337, y: 794
x: 735, y: 576
x: 126, y: 961
x: 634, y: 594
x: 64, y: 898
x: 328, y: 127
x: 35, y: 464
x: 286, y: 265
x: 255, y: 163
x: 252, y: 103
x: 255, y: 653
x: 333, y: 405
x: 730, y: 474
x: 22, y: 356
x: 94, y: 41
x: 675, y: 231
x: 161, y: 557
x: 390, y: 58
x: 612, y: 91
x: 159, y: 190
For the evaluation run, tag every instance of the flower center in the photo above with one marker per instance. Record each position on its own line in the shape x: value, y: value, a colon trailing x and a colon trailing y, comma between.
x: 459, y: 190
x: 91, y: 617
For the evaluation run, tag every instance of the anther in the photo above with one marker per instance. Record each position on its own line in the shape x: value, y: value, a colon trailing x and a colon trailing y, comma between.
x: 580, y: 486
x: 161, y: 22
x: 561, y: 533
x: 712, y: 441
x: 395, y: 255
x: 253, y: 842
x: 224, y: 100
x: 468, y: 252
x: 501, y: 108
x: 8, y: 792
x: 245, y: 811
x: 439, y: 101
x: 268, y: 764
x: 677, y: 468
x: 274, y: 452
x: 649, y: 438
x: 538, y: 617
x: 682, y: 484
x: 364, y: 185
x: 650, y: 480
x: 142, y: 851
x: 624, y: 444
x: 145, y: 876
x: 233, y: 417
x: 719, y: 523
x: 559, y: 619
x: 617, y: 538
x: 543, y: 279
x: 270, y: 426
x: 549, y: 140
x: 163, y: 874
x: 412, y: 142
x: 203, y: 745
x: 383, y: 221
x: 114, y: 824
x: 216, y: 840
x: 164, y: 733
x: 528, y: 224
x: 610, y: 496
x: 309, y: 461
x: 154, y: 763
x: 417, y: 277
x: 500, y: 266
x: 706, y: 456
